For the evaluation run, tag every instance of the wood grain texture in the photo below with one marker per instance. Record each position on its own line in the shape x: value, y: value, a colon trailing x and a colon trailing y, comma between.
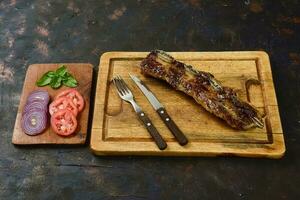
x: 117, y: 131
x: 83, y: 73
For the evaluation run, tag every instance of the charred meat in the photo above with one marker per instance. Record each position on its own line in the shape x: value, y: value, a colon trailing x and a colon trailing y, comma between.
x: 204, y: 88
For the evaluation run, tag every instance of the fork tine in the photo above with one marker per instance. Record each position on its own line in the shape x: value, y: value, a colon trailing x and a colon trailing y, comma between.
x: 124, y: 85
x: 120, y: 84
x: 121, y: 87
x: 115, y: 81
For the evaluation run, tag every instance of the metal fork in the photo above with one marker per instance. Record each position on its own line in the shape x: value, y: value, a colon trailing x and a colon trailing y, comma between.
x: 125, y: 94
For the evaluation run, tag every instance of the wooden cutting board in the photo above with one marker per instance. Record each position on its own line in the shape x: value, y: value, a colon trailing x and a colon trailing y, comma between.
x: 116, y: 129
x: 83, y: 74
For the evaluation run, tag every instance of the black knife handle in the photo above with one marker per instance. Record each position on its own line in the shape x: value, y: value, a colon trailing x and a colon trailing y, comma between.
x: 180, y: 137
x: 152, y: 130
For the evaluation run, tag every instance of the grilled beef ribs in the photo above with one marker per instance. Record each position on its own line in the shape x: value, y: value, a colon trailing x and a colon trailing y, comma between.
x: 204, y: 88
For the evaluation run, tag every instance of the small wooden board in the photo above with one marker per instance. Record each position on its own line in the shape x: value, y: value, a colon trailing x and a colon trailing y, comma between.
x: 83, y: 74
x: 117, y: 131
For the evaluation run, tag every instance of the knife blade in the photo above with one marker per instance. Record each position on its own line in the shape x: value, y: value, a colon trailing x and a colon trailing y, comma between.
x: 180, y: 137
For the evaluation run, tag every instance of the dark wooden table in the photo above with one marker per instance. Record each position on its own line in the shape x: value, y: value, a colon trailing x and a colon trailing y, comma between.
x: 43, y: 31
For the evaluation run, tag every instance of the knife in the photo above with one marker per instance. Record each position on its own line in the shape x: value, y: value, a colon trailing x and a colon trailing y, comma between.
x: 182, y: 140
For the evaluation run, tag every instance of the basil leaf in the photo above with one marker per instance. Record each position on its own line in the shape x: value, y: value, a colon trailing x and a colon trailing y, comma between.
x: 50, y: 74
x: 44, y: 80
x: 66, y: 76
x: 57, y: 78
x: 61, y: 71
x: 69, y: 77
x: 56, y: 82
x: 70, y: 82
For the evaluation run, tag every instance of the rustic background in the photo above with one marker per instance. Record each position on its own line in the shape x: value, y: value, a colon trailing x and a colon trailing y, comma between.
x: 43, y: 31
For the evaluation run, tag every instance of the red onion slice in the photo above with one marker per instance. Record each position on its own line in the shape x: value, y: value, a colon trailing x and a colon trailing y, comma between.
x: 38, y: 95
x: 34, y: 122
x: 35, y: 109
x: 39, y: 105
x: 45, y: 103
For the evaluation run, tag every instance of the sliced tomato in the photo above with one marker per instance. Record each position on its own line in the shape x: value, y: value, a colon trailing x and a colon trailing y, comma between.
x: 61, y: 104
x: 75, y: 96
x: 63, y: 122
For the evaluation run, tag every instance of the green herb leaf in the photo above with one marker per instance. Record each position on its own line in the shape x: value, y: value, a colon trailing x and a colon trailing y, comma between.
x: 56, y: 82
x: 61, y: 71
x: 50, y: 74
x: 57, y: 78
x: 70, y: 82
x: 44, y: 80
x: 66, y: 76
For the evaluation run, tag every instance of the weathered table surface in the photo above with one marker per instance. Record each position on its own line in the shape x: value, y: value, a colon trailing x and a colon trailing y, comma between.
x: 43, y: 31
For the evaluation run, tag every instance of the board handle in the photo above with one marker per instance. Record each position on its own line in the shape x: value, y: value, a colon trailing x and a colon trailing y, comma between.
x: 152, y: 130
x: 180, y: 137
x: 248, y: 84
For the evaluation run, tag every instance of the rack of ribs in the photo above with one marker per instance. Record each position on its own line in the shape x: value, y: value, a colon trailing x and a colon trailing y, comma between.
x: 207, y: 91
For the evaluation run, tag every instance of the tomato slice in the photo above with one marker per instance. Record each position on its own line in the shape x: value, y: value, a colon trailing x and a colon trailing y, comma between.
x: 63, y: 122
x: 61, y: 104
x: 75, y: 96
